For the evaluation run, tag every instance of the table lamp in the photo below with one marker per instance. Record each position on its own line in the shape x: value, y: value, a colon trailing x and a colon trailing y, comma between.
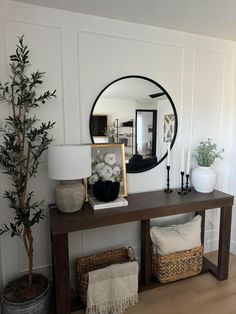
x: 69, y: 164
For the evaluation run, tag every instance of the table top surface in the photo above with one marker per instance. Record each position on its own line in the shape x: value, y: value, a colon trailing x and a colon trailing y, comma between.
x: 141, y: 206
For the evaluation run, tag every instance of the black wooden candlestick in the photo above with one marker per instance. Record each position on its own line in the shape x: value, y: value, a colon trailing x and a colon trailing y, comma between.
x: 187, y: 189
x: 168, y: 190
x: 182, y: 190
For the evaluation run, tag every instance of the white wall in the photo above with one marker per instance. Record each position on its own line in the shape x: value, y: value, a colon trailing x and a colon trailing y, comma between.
x: 81, y: 55
x: 116, y: 108
x: 1, y: 281
x: 232, y: 163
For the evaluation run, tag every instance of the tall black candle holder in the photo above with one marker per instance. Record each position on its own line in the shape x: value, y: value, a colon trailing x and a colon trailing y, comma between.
x: 187, y: 188
x: 168, y: 190
x: 182, y: 190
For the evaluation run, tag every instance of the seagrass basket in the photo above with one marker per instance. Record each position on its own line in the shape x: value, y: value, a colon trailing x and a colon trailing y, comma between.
x: 178, y: 265
x: 83, y: 265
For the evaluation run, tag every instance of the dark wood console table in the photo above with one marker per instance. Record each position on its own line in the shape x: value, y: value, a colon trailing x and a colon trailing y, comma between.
x: 142, y: 207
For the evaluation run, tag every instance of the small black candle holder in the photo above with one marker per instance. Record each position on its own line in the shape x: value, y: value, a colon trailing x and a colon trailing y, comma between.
x: 182, y: 190
x: 168, y: 190
x: 187, y: 188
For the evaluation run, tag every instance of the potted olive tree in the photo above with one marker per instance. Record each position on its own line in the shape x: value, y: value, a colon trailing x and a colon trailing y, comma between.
x: 24, y: 140
x: 203, y: 176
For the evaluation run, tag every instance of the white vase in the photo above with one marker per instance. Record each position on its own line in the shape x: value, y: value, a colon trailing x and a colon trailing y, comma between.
x: 203, y: 179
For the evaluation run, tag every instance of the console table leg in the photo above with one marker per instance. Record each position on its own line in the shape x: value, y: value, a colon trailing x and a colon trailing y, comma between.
x: 203, y: 214
x: 145, y: 252
x: 61, y: 273
x: 224, y: 242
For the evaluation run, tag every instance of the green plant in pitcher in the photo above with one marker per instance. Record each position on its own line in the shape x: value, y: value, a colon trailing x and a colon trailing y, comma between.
x: 207, y: 152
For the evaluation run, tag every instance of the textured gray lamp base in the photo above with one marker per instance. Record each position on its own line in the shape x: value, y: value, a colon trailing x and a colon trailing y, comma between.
x: 69, y: 196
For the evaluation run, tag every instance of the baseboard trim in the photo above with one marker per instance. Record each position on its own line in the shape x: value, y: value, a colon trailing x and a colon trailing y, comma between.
x: 46, y: 270
x: 233, y: 247
x: 210, y: 245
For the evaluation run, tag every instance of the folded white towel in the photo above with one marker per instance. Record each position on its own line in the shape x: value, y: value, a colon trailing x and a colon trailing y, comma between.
x: 112, y: 289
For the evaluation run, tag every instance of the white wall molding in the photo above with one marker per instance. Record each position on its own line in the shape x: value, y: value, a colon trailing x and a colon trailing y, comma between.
x: 124, y: 36
x: 210, y: 245
x: 89, y: 23
x: 32, y: 22
x: 46, y: 270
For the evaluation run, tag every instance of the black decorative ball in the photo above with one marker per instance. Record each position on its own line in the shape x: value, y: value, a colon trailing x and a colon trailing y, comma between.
x: 106, y: 191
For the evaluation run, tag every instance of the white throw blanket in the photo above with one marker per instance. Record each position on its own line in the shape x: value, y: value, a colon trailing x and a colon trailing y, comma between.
x: 112, y: 289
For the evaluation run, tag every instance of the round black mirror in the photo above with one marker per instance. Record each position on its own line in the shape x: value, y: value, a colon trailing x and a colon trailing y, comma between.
x: 139, y: 112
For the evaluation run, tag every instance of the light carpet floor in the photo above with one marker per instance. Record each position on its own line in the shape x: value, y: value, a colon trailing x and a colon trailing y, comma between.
x: 198, y: 295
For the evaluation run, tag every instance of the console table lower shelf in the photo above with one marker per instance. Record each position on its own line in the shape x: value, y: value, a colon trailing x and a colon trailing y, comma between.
x: 208, y: 267
x: 142, y: 207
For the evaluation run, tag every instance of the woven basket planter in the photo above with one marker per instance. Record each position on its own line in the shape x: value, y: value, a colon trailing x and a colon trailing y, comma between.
x: 83, y: 265
x: 178, y: 265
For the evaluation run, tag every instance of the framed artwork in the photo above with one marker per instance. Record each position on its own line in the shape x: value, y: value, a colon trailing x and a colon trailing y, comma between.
x: 108, y: 164
x: 169, y: 127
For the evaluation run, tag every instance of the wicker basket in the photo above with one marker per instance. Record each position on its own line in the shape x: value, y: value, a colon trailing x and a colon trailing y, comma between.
x: 83, y: 265
x: 178, y: 265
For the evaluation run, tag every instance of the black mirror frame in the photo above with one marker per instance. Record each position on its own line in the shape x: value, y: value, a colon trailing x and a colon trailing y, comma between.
x: 167, y: 95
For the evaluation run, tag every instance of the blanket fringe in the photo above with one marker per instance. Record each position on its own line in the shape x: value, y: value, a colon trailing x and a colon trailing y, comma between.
x: 114, y: 307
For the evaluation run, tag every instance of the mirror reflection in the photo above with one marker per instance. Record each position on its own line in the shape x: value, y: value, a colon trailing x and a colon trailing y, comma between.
x: 145, y: 139
x: 138, y: 112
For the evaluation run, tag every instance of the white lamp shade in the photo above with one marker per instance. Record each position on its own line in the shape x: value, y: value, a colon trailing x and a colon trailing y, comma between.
x: 69, y: 162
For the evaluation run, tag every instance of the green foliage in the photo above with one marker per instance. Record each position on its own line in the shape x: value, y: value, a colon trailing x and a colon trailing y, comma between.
x: 110, y: 131
x: 24, y: 141
x: 207, y: 152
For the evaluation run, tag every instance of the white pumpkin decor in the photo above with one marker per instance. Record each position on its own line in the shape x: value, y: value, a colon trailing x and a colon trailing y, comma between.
x: 203, y: 176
